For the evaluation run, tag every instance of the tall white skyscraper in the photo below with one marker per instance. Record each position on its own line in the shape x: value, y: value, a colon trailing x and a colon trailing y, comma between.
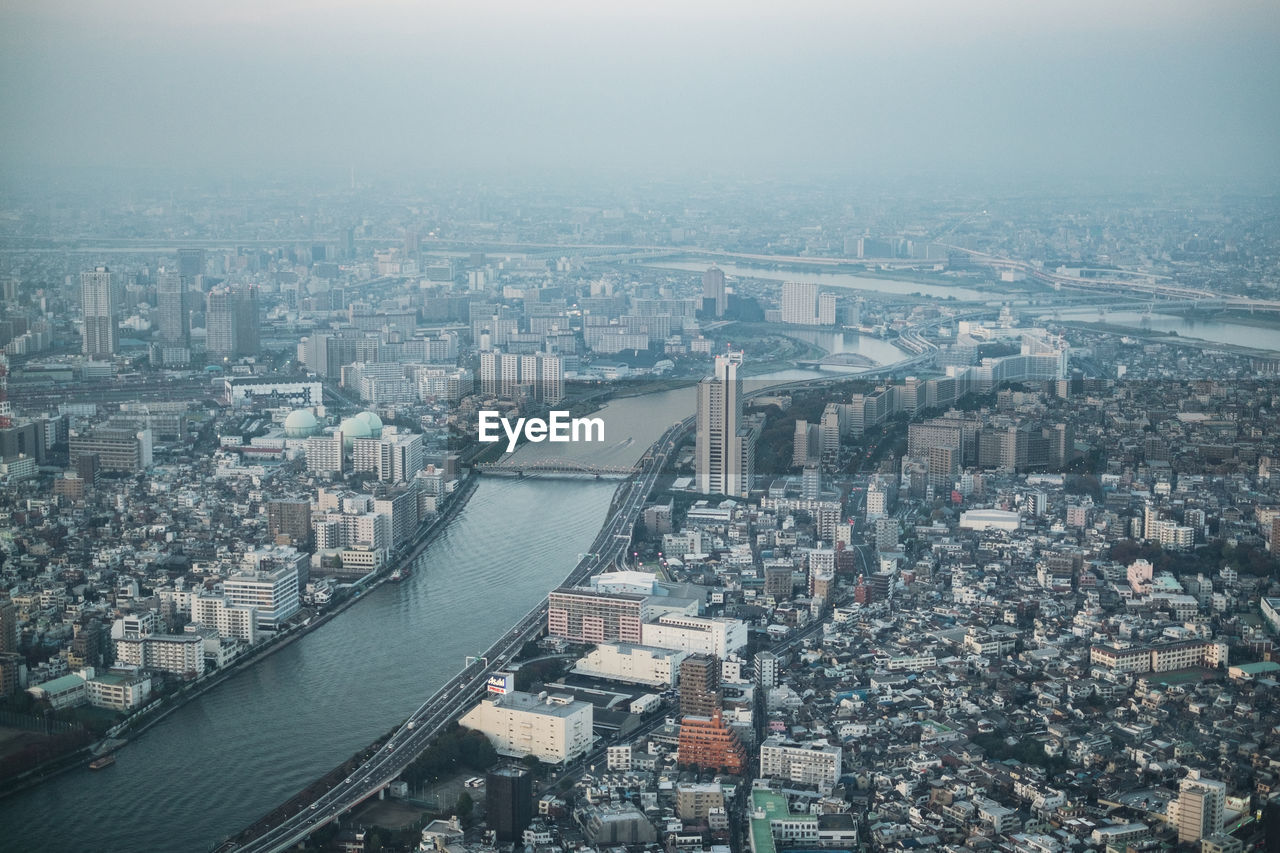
x: 724, y: 449
x: 98, y: 299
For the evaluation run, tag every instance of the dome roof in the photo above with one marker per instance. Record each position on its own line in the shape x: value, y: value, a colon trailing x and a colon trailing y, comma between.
x: 300, y: 424
x: 374, y: 423
x: 353, y: 428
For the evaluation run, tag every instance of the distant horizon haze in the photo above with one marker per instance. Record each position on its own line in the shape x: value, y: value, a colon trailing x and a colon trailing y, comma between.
x: 1055, y: 90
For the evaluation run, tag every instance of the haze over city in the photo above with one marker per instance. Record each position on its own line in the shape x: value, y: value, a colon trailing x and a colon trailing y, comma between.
x: 1055, y: 90
x: 582, y: 427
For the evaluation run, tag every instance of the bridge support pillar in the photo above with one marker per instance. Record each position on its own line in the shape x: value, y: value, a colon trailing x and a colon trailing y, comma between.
x: 382, y: 793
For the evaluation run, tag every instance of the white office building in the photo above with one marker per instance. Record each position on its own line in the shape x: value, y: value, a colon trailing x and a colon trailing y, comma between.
x: 695, y: 634
x: 633, y: 664
x: 551, y: 728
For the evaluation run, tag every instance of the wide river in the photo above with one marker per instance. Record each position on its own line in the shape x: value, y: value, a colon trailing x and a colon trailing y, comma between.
x: 255, y: 740
x: 1205, y: 329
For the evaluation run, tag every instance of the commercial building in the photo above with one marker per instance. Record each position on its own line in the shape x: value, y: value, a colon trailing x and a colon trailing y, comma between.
x: 65, y: 692
x: 632, y: 664
x: 551, y: 728
x: 508, y: 800
x: 616, y: 824
x: 117, y: 449
x: 267, y: 393
x: 724, y: 448
x: 990, y: 519
x: 695, y: 634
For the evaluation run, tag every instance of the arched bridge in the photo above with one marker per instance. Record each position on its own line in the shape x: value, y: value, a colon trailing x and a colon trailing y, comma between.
x: 554, y: 467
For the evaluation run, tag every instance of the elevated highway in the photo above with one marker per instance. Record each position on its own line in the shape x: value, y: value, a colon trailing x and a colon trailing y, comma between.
x: 608, y: 550
x: 460, y: 692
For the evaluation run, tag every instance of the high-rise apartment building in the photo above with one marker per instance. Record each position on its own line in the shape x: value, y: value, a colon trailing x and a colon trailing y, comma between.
x: 533, y: 376
x: 1198, y: 810
x: 585, y: 616
x: 172, y: 321
x: 709, y: 744
x: 289, y: 522
x: 245, y: 305
x: 191, y: 264
x: 100, y: 301
x: 8, y: 625
x: 766, y: 670
x: 269, y: 583
x: 724, y: 449
x: 231, y: 322
x: 220, y: 323
x: 803, y: 305
x: 699, y: 685
x: 816, y: 764
x: 396, y: 457
x: 714, y: 296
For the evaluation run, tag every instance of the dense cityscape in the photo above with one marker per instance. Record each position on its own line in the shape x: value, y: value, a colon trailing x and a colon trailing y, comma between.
x: 952, y: 542
x: 639, y: 428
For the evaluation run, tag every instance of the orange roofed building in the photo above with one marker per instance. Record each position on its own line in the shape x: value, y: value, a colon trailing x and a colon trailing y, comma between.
x: 709, y: 744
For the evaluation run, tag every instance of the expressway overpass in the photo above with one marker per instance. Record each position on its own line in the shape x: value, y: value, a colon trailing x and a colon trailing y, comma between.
x: 461, y: 691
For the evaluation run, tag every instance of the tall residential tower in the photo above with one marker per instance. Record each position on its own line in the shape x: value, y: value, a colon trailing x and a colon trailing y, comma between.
x: 724, y: 447
x: 99, y: 299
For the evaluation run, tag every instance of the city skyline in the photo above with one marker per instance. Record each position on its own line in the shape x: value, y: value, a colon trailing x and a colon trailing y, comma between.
x: 576, y: 426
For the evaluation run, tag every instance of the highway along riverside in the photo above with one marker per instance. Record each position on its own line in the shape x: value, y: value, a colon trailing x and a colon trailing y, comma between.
x: 272, y: 729
x: 135, y: 726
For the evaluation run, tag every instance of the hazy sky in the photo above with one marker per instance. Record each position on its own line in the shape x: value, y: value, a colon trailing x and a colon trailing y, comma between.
x: 1042, y: 88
